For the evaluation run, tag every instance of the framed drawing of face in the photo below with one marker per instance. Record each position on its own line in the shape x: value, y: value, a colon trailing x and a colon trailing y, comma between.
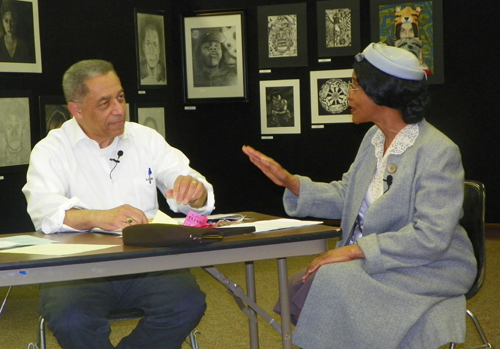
x: 15, y: 129
x: 214, y: 57
x: 53, y: 113
x: 20, y: 37
x: 152, y: 115
x: 150, y: 48
x: 413, y: 26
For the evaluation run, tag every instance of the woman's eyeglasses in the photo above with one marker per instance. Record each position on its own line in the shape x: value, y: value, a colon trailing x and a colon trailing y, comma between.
x: 351, y: 86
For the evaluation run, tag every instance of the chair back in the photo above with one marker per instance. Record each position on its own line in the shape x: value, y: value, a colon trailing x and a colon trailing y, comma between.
x: 473, y: 223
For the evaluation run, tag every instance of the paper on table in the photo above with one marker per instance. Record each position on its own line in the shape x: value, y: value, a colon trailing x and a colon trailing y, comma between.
x: 164, y: 218
x: 160, y: 217
x: 275, y: 224
x: 22, y: 240
x: 57, y: 249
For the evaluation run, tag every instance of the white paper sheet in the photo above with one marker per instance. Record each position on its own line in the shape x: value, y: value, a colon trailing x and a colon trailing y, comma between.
x: 57, y: 249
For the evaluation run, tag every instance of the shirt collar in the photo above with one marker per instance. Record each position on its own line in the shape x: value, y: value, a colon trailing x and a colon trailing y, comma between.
x: 76, y: 134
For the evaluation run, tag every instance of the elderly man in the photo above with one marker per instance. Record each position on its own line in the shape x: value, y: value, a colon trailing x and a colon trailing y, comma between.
x: 98, y: 170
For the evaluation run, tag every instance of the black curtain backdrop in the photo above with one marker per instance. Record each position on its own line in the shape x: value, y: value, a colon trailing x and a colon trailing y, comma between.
x: 464, y: 107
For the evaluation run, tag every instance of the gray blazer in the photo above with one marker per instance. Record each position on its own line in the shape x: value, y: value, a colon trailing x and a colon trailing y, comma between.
x: 409, y: 290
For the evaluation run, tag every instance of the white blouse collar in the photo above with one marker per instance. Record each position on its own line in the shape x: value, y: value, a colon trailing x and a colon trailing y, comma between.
x: 403, y: 140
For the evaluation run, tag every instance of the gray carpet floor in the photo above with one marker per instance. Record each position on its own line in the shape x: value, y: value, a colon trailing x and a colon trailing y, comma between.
x: 224, y: 326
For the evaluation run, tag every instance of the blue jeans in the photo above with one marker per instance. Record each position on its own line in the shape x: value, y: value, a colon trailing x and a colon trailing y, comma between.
x: 76, y: 311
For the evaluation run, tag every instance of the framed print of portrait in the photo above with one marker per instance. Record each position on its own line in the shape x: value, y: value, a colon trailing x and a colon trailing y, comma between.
x: 282, y: 34
x: 214, y: 57
x: 150, y: 48
x: 151, y: 115
x: 280, y: 106
x: 20, y: 37
x: 15, y: 128
x: 53, y: 113
x: 414, y: 26
x: 338, y: 28
x: 329, y: 89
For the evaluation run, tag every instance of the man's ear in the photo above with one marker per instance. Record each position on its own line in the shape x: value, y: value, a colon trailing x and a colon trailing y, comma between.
x: 75, y: 110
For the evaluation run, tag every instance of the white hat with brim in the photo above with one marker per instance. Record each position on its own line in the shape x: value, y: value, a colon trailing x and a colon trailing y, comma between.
x: 393, y: 61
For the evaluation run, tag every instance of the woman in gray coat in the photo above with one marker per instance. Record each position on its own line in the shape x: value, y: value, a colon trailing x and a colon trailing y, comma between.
x: 398, y: 276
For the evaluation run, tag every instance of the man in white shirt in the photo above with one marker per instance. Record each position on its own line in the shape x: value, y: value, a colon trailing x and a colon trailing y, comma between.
x: 100, y: 171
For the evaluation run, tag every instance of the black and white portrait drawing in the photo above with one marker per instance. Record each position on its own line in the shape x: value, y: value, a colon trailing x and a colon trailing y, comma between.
x: 55, y: 116
x: 338, y: 27
x: 153, y: 117
x: 282, y: 36
x: 15, y: 135
x: 280, y: 106
x: 151, y: 50
x: 19, y: 36
x: 214, y: 56
x: 329, y: 90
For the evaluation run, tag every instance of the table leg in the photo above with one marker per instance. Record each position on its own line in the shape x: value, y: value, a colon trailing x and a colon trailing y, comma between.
x: 253, y: 325
x: 286, y: 326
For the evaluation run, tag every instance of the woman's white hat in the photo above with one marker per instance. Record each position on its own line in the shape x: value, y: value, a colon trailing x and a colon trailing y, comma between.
x: 393, y: 60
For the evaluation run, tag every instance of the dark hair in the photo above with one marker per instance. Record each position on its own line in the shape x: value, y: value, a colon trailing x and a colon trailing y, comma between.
x: 397, y: 31
x: 410, y: 97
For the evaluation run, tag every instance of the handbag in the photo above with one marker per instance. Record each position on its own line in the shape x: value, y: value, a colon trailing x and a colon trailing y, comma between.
x: 166, y: 235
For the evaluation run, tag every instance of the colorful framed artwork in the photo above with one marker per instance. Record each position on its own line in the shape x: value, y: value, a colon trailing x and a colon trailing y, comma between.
x: 329, y: 90
x: 414, y: 26
x: 338, y: 28
x: 150, y: 49
x: 152, y: 115
x: 282, y: 34
x: 53, y: 113
x: 20, y: 37
x: 16, y: 136
x: 214, y: 57
x: 280, y: 106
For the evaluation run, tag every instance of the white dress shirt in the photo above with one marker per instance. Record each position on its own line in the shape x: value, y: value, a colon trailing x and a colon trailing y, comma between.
x: 69, y: 170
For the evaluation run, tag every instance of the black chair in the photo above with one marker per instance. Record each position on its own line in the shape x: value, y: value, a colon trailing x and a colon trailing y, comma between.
x: 119, y: 315
x: 473, y: 223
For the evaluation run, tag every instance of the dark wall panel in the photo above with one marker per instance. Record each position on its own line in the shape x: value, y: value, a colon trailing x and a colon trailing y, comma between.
x: 464, y: 107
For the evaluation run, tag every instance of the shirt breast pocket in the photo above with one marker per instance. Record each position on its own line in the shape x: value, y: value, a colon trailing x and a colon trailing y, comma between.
x: 144, y: 194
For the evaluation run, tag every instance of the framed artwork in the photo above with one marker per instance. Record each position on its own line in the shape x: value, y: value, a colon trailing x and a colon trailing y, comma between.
x: 214, y: 57
x: 150, y: 49
x: 414, y: 26
x: 20, y: 37
x: 338, y: 28
x: 53, y: 113
x: 15, y: 128
x: 282, y: 34
x: 152, y: 115
x: 280, y: 106
x: 329, y: 89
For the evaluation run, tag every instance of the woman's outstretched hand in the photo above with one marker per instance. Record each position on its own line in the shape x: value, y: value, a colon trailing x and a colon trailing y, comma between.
x: 273, y: 170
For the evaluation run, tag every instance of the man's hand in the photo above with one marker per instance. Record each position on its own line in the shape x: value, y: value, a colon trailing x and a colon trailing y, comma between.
x: 109, y: 220
x: 188, y: 191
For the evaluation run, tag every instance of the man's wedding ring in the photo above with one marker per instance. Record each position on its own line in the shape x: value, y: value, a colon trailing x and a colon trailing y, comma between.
x: 130, y: 220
